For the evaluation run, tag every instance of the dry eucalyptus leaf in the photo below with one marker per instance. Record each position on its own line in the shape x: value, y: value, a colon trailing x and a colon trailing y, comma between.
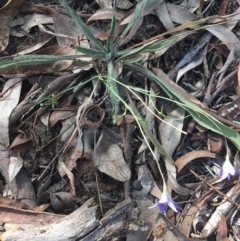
x: 180, y: 15
x: 170, y: 130
x: 109, y: 159
x: 67, y: 161
x: 15, y: 165
x: 69, y: 175
x: 170, y: 133
x: 113, y: 164
x: 164, y: 16
x: 105, y: 3
x: 182, y: 161
x: 222, y: 230
x: 225, y: 35
x: 124, y: 4
x: 192, y: 5
x: 7, y: 13
x: 35, y: 46
x: 105, y: 14
x: 30, y: 21
x: 66, y: 26
x: 7, y: 103
x: 188, y: 67
x: 145, y: 176
x: 65, y: 113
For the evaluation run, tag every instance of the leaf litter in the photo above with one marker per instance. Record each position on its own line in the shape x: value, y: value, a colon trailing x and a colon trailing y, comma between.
x: 109, y: 107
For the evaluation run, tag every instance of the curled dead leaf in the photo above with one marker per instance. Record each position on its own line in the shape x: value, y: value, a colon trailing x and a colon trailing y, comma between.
x: 185, y: 159
x: 94, y: 116
x: 7, y: 13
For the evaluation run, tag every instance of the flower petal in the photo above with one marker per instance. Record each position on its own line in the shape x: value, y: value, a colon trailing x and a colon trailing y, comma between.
x: 237, y: 171
x: 162, y: 207
x: 153, y: 206
x: 164, y: 198
x: 173, y: 205
x: 227, y: 170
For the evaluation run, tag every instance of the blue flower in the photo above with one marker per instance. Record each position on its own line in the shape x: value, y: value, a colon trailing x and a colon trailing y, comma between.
x: 228, y: 170
x: 166, y: 201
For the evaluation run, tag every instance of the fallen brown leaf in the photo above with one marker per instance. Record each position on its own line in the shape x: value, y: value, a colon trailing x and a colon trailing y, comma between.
x: 7, y: 13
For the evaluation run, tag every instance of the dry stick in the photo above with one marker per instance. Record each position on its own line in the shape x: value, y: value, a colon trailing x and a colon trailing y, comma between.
x: 208, y: 96
x: 126, y: 132
x: 221, y: 85
x: 214, y: 188
x: 99, y: 197
x: 190, y: 55
x: 231, y: 57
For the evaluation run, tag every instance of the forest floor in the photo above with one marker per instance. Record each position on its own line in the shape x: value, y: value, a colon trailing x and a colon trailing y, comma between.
x: 119, y: 120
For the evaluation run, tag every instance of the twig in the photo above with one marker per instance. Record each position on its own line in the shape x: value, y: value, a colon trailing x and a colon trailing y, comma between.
x: 126, y: 132
x: 214, y: 188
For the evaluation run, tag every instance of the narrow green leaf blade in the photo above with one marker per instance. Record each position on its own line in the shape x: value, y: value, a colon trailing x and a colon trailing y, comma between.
x: 82, y: 25
x: 160, y: 45
x: 90, y: 52
x: 198, y: 114
x: 149, y: 47
x: 33, y: 60
x: 110, y: 39
x: 112, y: 86
x: 139, y: 10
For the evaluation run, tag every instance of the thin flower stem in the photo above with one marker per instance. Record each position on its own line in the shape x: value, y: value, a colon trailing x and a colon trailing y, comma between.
x: 141, y: 130
x: 130, y: 89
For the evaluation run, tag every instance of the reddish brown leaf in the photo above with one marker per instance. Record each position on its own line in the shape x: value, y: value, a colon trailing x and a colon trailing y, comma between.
x: 105, y: 14
x: 223, y: 8
x: 19, y: 139
x: 185, y: 159
x: 214, y: 142
x: 15, y: 215
x: 222, y: 230
x: 63, y: 114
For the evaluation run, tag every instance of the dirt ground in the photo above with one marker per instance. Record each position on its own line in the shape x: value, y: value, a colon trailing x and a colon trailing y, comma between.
x: 70, y: 171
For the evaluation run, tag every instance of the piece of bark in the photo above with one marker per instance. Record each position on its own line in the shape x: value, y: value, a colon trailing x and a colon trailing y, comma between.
x: 6, y: 202
x: 113, y: 224
x: 13, y: 215
x: 72, y: 227
x: 80, y: 225
x: 20, y: 186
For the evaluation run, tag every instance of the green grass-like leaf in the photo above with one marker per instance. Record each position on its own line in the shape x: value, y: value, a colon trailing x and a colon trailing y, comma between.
x: 147, y: 134
x: 110, y: 40
x: 112, y: 85
x: 198, y: 114
x: 33, y: 60
x: 141, y: 6
x: 91, y: 52
x: 149, y: 47
x: 87, y: 32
